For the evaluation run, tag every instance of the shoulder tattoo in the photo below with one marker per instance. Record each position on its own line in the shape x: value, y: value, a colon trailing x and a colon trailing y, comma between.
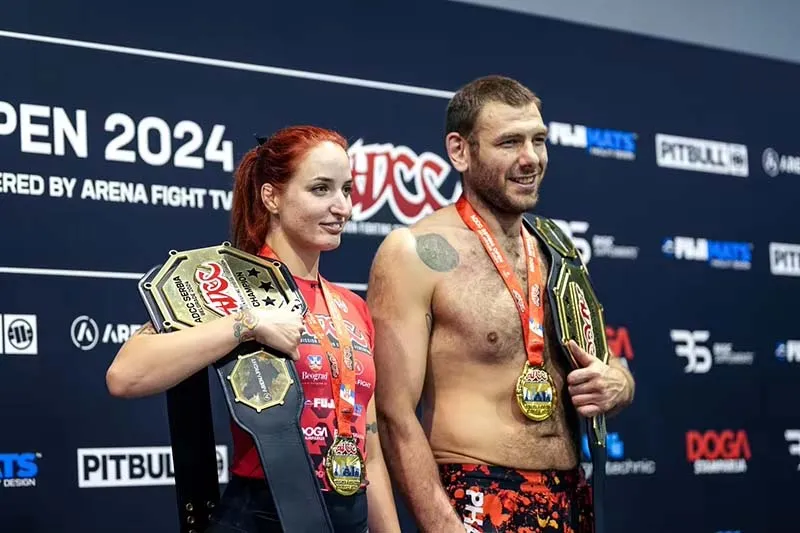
x: 436, y: 252
x: 372, y: 428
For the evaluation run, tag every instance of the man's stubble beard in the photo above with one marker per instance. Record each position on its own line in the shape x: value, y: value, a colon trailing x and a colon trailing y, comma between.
x: 493, y: 194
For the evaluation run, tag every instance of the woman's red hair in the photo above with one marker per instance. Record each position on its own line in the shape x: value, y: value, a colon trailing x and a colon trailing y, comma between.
x: 275, y: 161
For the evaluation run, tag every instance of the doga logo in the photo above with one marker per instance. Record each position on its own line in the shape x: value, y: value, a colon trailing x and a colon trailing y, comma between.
x: 586, y: 319
x: 215, y: 289
x: 382, y: 174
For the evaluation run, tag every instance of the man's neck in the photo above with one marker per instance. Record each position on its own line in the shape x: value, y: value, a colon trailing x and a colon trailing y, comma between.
x: 504, y: 226
x: 301, y: 263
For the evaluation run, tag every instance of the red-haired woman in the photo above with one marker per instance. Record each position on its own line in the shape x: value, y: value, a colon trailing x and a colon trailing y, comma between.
x: 291, y: 200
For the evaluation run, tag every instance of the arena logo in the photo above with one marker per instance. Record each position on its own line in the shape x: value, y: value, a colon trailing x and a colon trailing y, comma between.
x: 693, y: 346
x: 701, y: 155
x: 617, y: 464
x: 784, y: 259
x: 718, y: 452
x: 597, y: 141
x: 775, y: 164
x: 85, y: 333
x: 19, y: 470
x: 19, y: 335
x: 599, y: 245
x: 718, y: 254
x: 135, y: 466
x: 394, y: 175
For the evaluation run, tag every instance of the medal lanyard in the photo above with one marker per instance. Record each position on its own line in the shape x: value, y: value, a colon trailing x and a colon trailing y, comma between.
x: 342, y: 383
x: 343, y: 376
x: 531, y: 312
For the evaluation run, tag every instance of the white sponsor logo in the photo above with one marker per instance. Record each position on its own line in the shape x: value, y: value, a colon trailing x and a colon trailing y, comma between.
x: 317, y: 376
x: 792, y: 436
x: 316, y: 433
x: 699, y: 358
x: 788, y: 351
x: 701, y: 155
x: 775, y: 164
x: 784, y: 259
x: 134, y: 467
x: 601, y: 245
x: 325, y: 403
x: 85, y: 333
x: 19, y: 335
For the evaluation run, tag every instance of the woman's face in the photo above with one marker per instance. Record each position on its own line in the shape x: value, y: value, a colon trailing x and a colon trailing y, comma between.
x: 315, y: 204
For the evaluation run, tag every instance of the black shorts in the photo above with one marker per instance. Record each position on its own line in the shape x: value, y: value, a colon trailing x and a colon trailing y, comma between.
x: 492, y: 499
x: 246, y: 506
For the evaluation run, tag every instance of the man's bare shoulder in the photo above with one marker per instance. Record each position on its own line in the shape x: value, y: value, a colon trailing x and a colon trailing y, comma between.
x: 429, y: 242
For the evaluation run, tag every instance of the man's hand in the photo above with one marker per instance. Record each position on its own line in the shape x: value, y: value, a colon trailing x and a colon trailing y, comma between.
x: 596, y: 387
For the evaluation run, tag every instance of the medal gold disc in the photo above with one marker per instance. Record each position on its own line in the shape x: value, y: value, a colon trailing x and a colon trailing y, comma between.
x: 344, y: 466
x: 535, y: 391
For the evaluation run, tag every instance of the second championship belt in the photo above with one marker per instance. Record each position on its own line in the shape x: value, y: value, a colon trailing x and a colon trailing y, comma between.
x: 262, y: 389
x: 578, y: 316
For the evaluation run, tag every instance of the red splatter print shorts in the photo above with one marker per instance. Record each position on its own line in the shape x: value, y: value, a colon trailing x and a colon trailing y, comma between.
x: 492, y: 499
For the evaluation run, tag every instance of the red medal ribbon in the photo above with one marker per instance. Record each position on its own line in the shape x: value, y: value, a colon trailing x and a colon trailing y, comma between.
x: 342, y: 364
x: 531, y: 311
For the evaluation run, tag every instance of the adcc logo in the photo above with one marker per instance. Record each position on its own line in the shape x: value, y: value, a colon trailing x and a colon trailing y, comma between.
x: 85, y: 333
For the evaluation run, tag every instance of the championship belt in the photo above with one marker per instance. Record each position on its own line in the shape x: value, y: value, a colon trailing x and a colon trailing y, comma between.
x: 578, y: 316
x: 261, y: 387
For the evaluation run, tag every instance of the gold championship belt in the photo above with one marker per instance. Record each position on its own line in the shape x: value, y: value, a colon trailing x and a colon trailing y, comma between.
x: 578, y: 316
x: 261, y: 386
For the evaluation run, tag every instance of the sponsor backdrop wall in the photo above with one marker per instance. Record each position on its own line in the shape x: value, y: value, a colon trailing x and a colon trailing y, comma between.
x: 675, y: 169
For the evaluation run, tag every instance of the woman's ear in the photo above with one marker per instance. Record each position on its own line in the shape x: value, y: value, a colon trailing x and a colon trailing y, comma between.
x: 269, y: 198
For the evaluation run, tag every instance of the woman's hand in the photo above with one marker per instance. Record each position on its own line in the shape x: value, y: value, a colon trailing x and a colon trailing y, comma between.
x: 277, y: 328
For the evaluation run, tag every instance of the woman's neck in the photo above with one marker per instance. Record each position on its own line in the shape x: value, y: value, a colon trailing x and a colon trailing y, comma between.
x: 301, y: 263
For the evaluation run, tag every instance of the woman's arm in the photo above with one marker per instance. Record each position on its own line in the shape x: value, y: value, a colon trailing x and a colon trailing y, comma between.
x: 380, y: 499
x: 149, y: 363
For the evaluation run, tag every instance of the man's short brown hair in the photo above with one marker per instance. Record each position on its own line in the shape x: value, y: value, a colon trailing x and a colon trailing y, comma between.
x: 466, y: 104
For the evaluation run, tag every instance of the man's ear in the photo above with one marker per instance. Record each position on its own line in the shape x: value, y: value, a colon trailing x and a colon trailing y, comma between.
x: 270, y: 199
x: 457, y: 151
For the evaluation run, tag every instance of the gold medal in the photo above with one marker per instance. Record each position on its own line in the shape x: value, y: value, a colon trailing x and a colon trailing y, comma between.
x: 536, y: 393
x: 344, y: 466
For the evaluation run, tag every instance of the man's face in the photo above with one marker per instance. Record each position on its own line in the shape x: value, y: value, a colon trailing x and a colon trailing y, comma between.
x: 508, y: 157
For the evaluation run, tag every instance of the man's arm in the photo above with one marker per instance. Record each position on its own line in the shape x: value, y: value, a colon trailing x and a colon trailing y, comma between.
x: 630, y: 389
x: 399, y: 298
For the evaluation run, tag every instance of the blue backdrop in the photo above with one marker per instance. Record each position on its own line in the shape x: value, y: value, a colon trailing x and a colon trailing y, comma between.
x: 675, y: 169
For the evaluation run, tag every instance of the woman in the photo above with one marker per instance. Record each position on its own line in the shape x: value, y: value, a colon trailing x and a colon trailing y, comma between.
x: 291, y: 200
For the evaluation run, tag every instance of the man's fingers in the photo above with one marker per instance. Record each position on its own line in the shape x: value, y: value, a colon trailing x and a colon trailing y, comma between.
x: 589, y: 410
x: 582, y: 375
x: 582, y: 400
x: 589, y: 387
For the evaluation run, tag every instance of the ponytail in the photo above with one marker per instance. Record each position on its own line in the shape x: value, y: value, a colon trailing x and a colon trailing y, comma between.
x: 249, y: 216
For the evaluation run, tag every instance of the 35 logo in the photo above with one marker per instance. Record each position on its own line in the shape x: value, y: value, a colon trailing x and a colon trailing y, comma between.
x: 689, y: 344
x: 575, y: 229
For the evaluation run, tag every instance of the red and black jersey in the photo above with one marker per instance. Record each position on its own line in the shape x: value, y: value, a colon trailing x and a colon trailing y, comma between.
x: 318, y: 419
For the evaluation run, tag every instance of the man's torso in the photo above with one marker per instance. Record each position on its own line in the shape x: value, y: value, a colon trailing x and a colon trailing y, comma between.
x: 477, y: 352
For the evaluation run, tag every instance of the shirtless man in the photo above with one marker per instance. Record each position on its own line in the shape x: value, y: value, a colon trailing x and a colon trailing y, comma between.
x: 449, y: 333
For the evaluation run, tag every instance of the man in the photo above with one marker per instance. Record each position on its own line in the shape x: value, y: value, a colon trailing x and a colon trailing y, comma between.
x: 448, y: 332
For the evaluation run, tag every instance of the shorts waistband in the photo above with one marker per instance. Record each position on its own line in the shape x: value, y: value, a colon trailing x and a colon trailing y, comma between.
x: 547, y: 477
